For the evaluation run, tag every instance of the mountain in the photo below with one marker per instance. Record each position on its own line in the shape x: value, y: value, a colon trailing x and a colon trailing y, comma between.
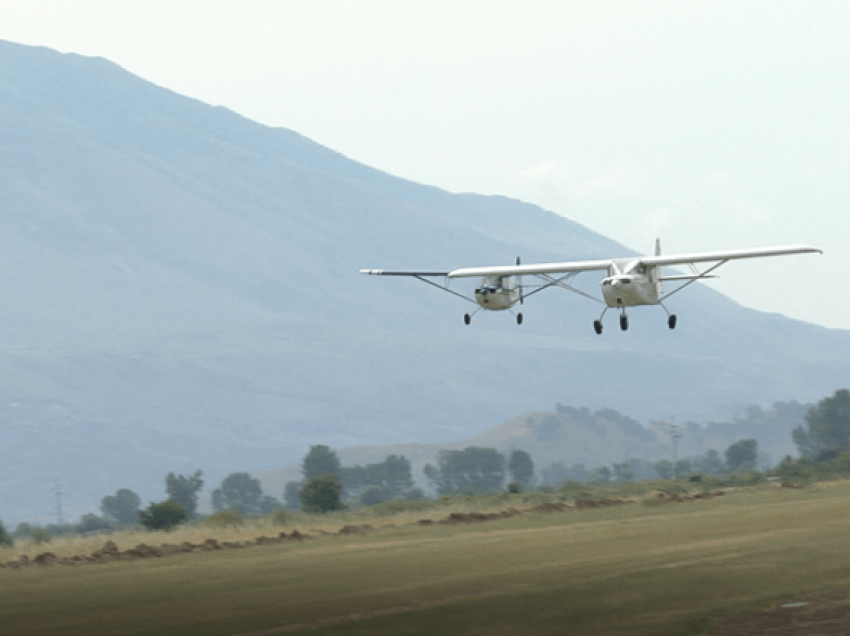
x: 181, y: 291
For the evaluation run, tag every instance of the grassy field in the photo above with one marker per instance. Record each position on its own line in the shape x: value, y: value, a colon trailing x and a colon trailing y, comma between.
x: 638, y: 569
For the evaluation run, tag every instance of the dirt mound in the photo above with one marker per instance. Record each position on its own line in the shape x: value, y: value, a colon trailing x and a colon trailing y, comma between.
x: 672, y: 497
x: 110, y: 552
x: 550, y: 507
x: 584, y: 504
x: 361, y: 529
x: 478, y: 517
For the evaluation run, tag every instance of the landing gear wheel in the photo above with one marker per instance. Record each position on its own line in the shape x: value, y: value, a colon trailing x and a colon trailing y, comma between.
x: 467, y: 319
x: 519, y: 319
x: 597, y: 327
x: 671, y: 321
x: 624, y: 322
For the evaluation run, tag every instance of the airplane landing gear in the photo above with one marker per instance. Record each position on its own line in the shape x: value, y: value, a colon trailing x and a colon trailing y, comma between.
x: 624, y: 322
x: 519, y: 319
x: 597, y: 327
x: 671, y: 321
x: 467, y: 319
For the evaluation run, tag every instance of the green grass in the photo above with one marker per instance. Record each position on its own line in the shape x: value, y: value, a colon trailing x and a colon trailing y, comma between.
x: 635, y: 569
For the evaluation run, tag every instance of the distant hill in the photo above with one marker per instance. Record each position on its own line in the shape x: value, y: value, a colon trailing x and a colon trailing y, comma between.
x: 180, y: 291
x: 581, y: 436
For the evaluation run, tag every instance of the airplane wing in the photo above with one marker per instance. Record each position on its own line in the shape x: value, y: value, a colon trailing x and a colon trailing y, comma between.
x: 384, y: 272
x: 701, y: 257
x: 587, y: 266
x: 542, y: 268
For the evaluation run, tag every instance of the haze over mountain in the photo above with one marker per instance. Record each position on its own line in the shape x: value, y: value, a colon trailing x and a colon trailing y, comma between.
x: 181, y: 291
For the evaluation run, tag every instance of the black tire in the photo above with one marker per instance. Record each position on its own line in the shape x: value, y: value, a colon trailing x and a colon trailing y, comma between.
x: 519, y: 319
x: 597, y: 327
x: 671, y: 321
x: 624, y: 322
x: 467, y: 319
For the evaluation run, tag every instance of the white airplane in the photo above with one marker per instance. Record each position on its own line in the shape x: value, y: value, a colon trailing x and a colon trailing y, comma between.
x: 630, y: 282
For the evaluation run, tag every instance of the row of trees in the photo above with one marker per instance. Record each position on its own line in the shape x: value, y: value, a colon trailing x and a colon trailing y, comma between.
x: 824, y: 445
x: 325, y: 482
x: 475, y: 470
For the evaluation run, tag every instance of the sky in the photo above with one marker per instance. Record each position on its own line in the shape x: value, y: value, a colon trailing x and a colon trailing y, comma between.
x: 712, y: 124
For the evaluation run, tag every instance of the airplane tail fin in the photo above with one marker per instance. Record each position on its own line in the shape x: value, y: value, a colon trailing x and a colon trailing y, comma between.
x: 656, y: 271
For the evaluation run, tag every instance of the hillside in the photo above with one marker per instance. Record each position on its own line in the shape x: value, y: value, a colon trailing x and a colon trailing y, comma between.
x: 180, y: 291
x: 580, y: 436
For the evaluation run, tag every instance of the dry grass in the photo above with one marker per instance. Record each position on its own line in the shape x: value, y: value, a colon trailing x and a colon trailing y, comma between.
x: 627, y: 570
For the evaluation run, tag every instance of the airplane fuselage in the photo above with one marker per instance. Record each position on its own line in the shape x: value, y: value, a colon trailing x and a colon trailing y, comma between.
x: 629, y: 283
x: 497, y: 293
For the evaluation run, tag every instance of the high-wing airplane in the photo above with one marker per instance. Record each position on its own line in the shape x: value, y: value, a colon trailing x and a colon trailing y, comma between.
x: 629, y: 282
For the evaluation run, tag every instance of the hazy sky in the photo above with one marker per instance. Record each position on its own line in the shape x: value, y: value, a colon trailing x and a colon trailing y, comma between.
x: 711, y: 124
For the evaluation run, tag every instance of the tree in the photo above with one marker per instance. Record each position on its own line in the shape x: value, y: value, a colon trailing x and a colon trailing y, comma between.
x: 600, y: 475
x: 742, y: 452
x: 239, y: 491
x: 664, y: 468
x: 184, y: 490
x: 623, y: 472
x: 164, y: 515
x: 473, y: 469
x: 372, y: 495
x: 321, y: 460
x: 709, y: 464
x: 122, y: 507
x: 5, y: 537
x: 268, y: 504
x: 828, y: 426
x: 521, y: 468
x: 393, y: 475
x: 321, y: 494
x: 292, y: 495
x: 92, y: 523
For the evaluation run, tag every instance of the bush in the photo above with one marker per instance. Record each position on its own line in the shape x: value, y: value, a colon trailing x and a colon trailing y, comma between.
x: 792, y: 470
x: 224, y: 519
x: 92, y: 523
x: 573, y: 489
x: 40, y: 535
x: 23, y: 530
x: 280, y: 516
x: 164, y: 515
x: 515, y: 488
x: 322, y: 494
x: 398, y: 505
x: 372, y: 495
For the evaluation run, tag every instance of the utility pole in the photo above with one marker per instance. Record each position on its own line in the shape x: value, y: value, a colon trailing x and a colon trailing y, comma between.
x: 58, y: 490
x: 675, y: 435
